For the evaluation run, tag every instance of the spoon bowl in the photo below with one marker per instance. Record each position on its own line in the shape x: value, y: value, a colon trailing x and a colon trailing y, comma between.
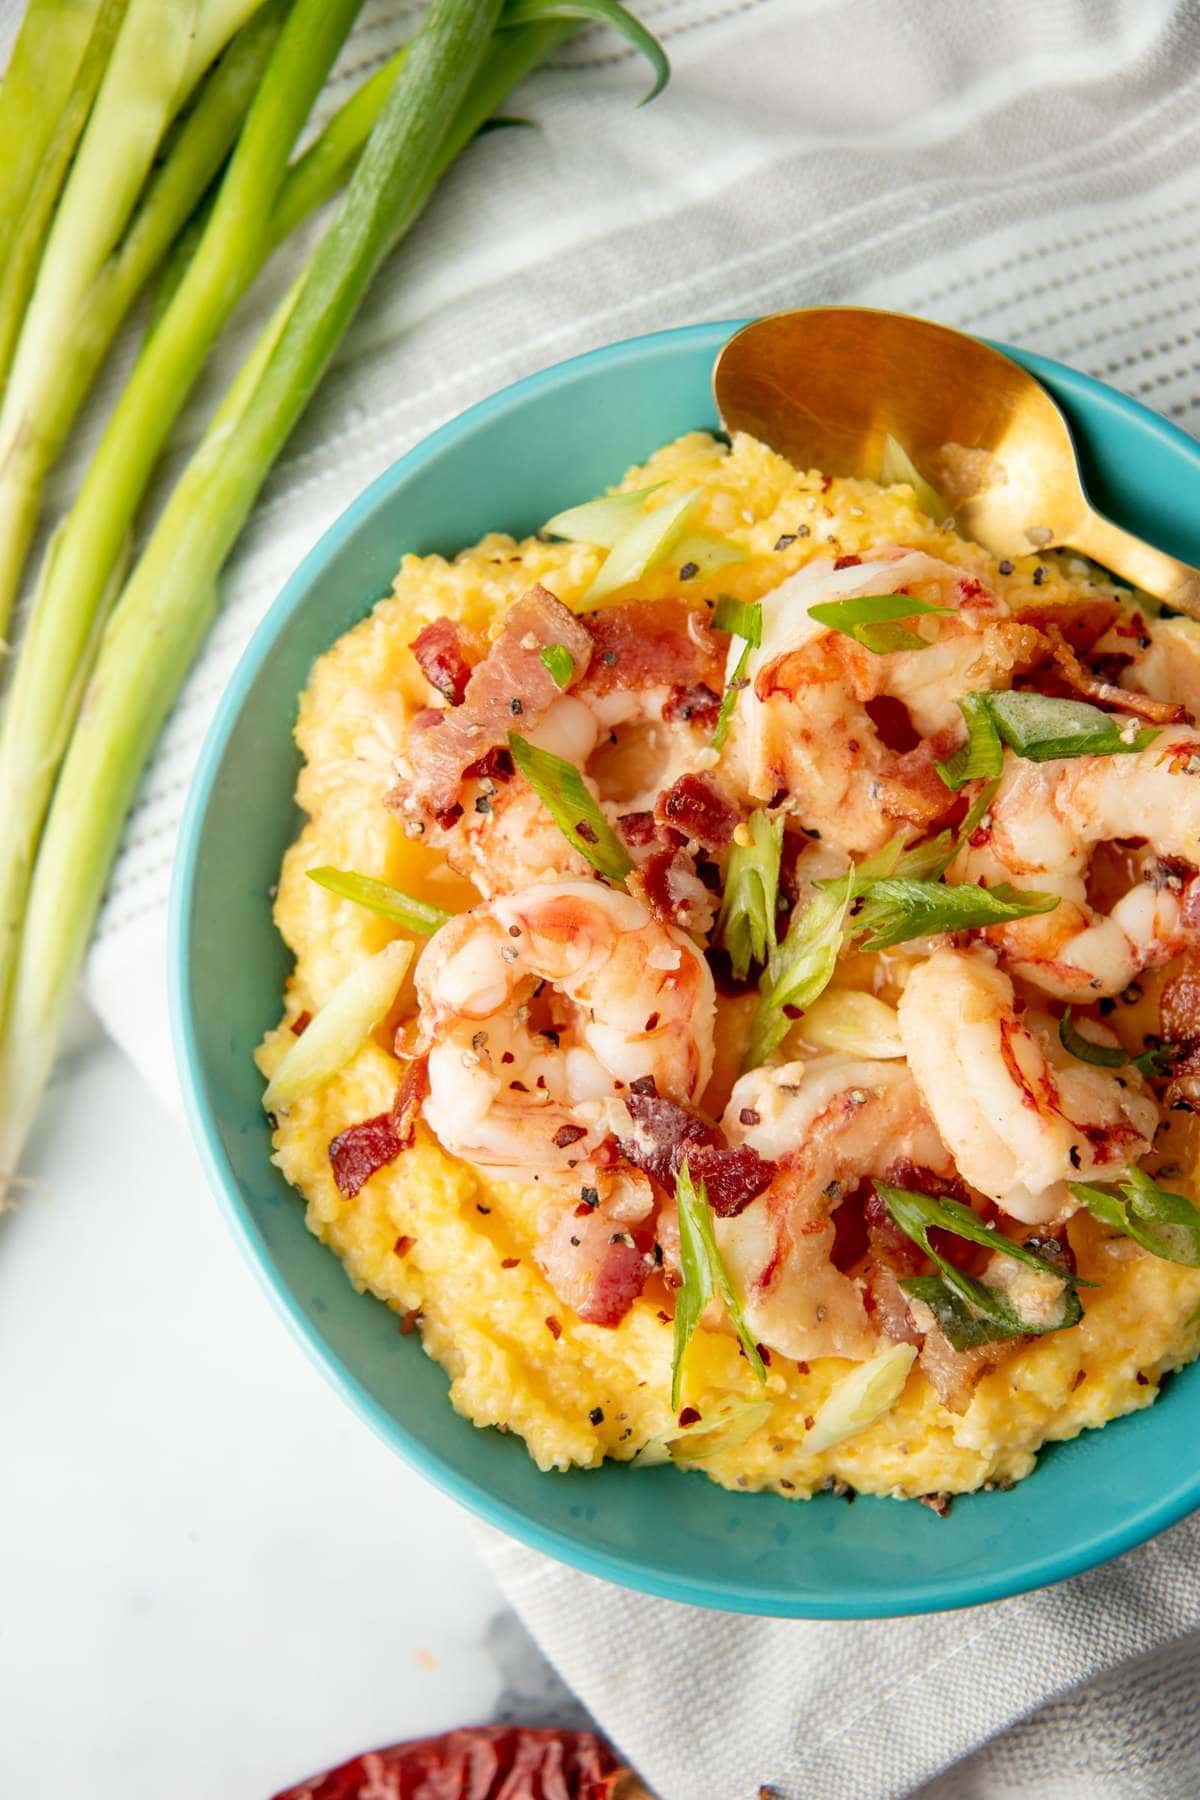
x: 827, y: 386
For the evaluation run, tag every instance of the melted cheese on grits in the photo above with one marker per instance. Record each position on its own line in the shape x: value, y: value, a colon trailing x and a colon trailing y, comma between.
x: 436, y: 1238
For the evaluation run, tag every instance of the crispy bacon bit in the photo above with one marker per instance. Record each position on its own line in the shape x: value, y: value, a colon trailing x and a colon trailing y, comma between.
x: 441, y: 652
x: 695, y: 806
x: 301, y: 1023
x: 511, y: 669
x: 667, y: 1132
x: 410, y: 1096
x: 1081, y: 622
x: 653, y: 643
x: 495, y: 764
x: 637, y: 828
x: 696, y: 701
x: 595, y: 1267
x: 1107, y: 693
x: 668, y: 883
x: 484, y: 1762
x: 403, y: 1245
x: 357, y: 1152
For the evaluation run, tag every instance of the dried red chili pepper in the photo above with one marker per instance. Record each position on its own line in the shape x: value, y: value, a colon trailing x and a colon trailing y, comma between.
x: 487, y: 1762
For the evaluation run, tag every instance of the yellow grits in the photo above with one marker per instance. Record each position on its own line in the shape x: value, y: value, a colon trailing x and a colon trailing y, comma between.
x: 468, y: 1272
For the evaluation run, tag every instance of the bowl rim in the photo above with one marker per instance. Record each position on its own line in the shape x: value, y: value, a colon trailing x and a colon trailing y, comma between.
x: 942, y: 1593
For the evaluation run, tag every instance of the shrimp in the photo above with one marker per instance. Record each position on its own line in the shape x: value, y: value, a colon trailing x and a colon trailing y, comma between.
x: 827, y: 1123
x: 639, y: 714
x: 806, y: 729
x: 1020, y: 1116
x: 539, y: 1009
x: 1040, y: 832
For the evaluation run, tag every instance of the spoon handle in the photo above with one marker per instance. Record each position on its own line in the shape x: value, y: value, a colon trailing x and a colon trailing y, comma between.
x: 1176, y: 583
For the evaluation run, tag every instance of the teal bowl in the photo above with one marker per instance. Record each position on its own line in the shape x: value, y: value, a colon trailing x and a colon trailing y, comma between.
x: 510, y: 463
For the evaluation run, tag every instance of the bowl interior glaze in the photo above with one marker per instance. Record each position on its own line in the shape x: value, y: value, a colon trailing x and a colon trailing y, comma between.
x: 509, y: 463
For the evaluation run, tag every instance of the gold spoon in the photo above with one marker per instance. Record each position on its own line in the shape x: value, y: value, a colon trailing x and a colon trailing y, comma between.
x: 827, y: 385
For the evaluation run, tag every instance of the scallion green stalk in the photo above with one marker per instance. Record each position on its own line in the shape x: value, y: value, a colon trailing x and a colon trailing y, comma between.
x: 169, y: 599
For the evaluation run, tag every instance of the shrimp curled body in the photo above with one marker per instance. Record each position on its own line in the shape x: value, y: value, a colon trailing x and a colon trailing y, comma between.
x: 539, y: 1009
x: 1020, y: 1116
x: 1045, y: 821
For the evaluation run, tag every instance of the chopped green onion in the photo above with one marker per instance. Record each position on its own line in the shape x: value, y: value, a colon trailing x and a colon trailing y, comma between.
x: 647, y: 543
x: 379, y: 897
x: 558, y: 663
x: 1105, y: 1056
x: 1042, y: 729
x: 1166, y: 1224
x: 746, y: 921
x: 704, y: 1273
x: 703, y: 552
x: 341, y: 1027
x: 801, y: 967
x: 982, y: 756
x: 860, y: 1399
x: 870, y: 619
x: 560, y: 787
x: 897, y: 466
x: 602, y: 522
x: 740, y: 618
x: 725, y: 1426
x: 897, y: 909
x: 972, y: 1312
x: 1157, y: 1059
x: 850, y: 1020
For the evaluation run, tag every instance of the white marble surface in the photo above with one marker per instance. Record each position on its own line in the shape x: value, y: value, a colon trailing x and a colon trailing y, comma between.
x: 213, y: 1579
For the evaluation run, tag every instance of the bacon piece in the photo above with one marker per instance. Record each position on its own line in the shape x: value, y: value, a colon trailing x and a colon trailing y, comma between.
x: 481, y: 1762
x: 653, y: 643
x: 441, y: 652
x: 595, y: 1265
x: 696, y: 808
x: 665, y: 1133
x: 509, y: 688
x: 669, y: 884
x: 357, y: 1152
x: 638, y: 829
x: 696, y: 701
x: 1108, y: 693
x: 1081, y: 622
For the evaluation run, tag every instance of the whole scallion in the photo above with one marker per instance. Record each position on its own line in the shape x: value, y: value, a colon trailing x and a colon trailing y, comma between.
x: 455, y: 74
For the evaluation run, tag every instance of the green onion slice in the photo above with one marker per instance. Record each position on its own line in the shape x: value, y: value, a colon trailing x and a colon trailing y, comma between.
x: 897, y: 466
x: 649, y: 541
x: 800, y: 968
x: 860, y: 1399
x: 703, y: 1272
x: 746, y: 921
x: 741, y: 618
x: 378, y: 897
x: 702, y: 552
x: 560, y: 787
x: 899, y: 908
x: 871, y: 620
x: 982, y: 756
x: 1042, y: 729
x: 1166, y: 1224
x: 971, y: 1311
x: 559, y: 664
x: 1105, y: 1056
x: 341, y: 1027
x: 602, y: 522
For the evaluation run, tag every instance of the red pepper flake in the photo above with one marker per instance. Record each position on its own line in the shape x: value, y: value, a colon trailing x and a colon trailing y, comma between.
x: 495, y: 764
x: 809, y: 1421
x: 748, y: 1116
x: 1080, y: 1378
x: 689, y: 1416
x: 1142, y: 1380
x: 847, y: 562
x: 553, y: 1327
x: 802, y: 1368
x: 826, y: 483
x: 937, y: 1503
x: 567, y: 1135
x: 695, y: 701
x: 408, y: 1323
x: 585, y: 831
x: 765, y: 1355
x: 449, y: 816
x: 509, y: 1262
x: 301, y: 1023
x: 403, y: 1245
x: 665, y: 1317
x: 652, y: 1022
